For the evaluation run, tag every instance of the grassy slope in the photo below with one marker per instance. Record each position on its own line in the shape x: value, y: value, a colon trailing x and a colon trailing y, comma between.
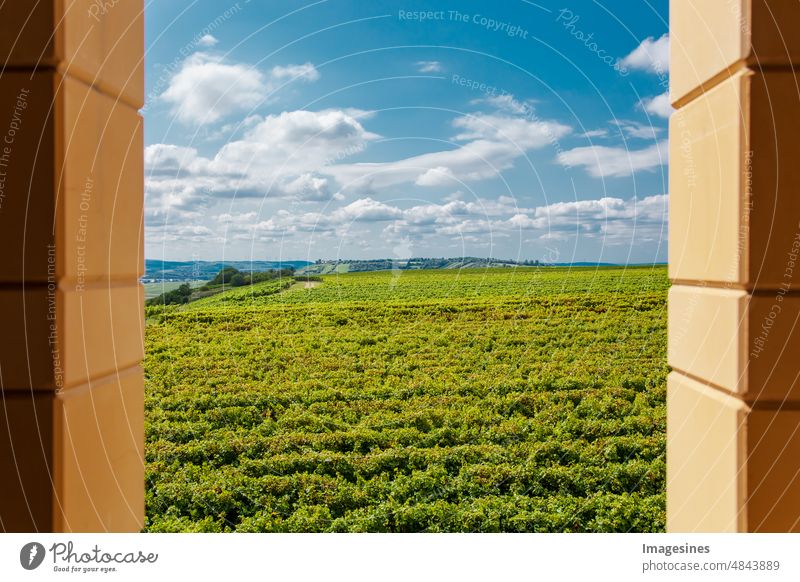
x: 486, y: 400
x: 241, y: 296
x: 155, y: 289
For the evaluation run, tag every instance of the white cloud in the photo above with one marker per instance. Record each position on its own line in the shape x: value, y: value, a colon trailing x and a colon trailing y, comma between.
x: 493, y: 143
x: 305, y: 72
x: 438, y: 176
x: 306, y: 187
x: 172, y: 200
x: 207, y: 41
x: 474, y: 161
x: 651, y: 55
x: 229, y: 130
x: 609, y: 219
x: 208, y: 88
x: 637, y: 130
x: 508, y: 103
x: 524, y: 133
x: 429, y: 66
x: 595, y: 133
x: 184, y: 233
x: 171, y: 159
x: 613, y: 219
x: 278, y: 157
x: 299, y: 155
x: 366, y: 210
x: 658, y: 105
x: 602, y: 161
x: 292, y: 143
x: 243, y: 218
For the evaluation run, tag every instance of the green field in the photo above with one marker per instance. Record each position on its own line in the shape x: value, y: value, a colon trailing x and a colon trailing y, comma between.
x: 155, y: 289
x: 528, y: 399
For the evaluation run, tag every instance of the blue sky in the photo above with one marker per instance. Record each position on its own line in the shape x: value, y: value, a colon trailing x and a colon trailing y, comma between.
x: 344, y: 129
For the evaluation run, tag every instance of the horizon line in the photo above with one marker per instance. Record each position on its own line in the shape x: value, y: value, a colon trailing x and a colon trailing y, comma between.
x: 400, y: 260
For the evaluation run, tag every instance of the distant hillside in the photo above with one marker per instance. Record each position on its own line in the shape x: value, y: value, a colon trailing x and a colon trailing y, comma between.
x: 158, y: 271
x: 357, y: 266
x: 203, y: 270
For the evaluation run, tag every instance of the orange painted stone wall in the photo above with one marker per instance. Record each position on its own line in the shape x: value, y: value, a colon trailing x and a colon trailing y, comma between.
x: 71, y: 232
x: 733, y: 399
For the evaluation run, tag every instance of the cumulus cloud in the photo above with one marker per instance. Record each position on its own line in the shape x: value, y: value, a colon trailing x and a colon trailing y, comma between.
x: 302, y: 156
x: 278, y: 157
x: 439, y: 176
x: 602, y: 161
x: 474, y: 161
x: 293, y: 142
x: 508, y: 103
x: 367, y: 210
x: 207, y: 88
x: 595, y: 133
x: 634, y: 129
x: 525, y: 133
x: 651, y: 55
x: 183, y: 233
x: 429, y: 66
x: 304, y: 72
x: 207, y: 40
x: 169, y: 198
x: 492, y: 144
x: 613, y: 220
x: 172, y: 160
x: 658, y: 105
x: 283, y: 223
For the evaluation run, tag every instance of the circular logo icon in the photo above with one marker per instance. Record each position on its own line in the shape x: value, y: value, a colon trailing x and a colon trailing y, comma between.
x: 31, y: 555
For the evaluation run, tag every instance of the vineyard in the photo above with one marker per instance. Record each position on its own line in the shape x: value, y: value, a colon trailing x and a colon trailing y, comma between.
x: 528, y: 399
